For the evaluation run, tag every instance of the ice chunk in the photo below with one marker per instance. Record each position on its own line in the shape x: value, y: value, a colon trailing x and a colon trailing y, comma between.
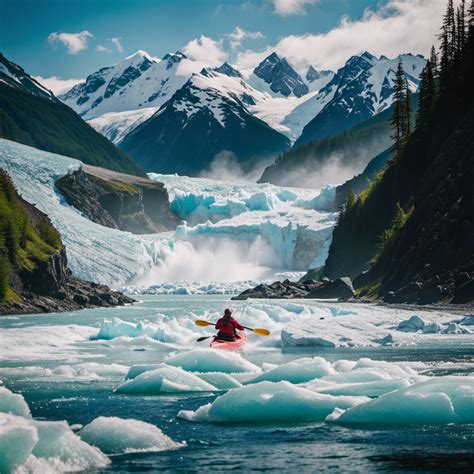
x: 295, y: 339
x: 119, y: 328
x: 165, y: 379
x: 415, y: 323
x: 13, y: 403
x: 212, y: 360
x: 87, y: 371
x: 114, y: 435
x: 269, y: 402
x: 17, y: 439
x: 432, y: 328
x: 436, y: 401
x: 136, y: 370
x: 365, y: 389
x: 57, y: 441
x: 297, y: 371
x: 467, y: 321
x: 220, y: 380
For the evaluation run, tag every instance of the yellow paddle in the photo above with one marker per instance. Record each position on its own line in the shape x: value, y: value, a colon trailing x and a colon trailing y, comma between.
x: 258, y: 331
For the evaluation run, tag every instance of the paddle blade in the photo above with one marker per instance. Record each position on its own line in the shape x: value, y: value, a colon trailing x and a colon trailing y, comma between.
x: 200, y: 339
x: 261, y: 332
x: 200, y: 322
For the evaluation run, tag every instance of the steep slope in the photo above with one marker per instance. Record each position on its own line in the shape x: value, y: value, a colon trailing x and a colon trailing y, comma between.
x: 205, y: 117
x: 16, y: 77
x: 33, y: 117
x: 413, y: 230
x: 351, y: 150
x: 34, y: 276
x: 362, y: 88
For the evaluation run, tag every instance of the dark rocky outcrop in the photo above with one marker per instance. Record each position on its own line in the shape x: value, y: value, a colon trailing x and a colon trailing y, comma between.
x: 341, y: 289
x: 309, y: 288
x: 118, y: 200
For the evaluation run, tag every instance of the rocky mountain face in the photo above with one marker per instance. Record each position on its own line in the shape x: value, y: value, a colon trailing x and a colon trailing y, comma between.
x: 34, y: 276
x: 15, y: 76
x: 200, y: 121
x: 120, y: 201
x: 280, y: 76
x: 137, y: 82
x: 31, y: 115
x: 362, y: 88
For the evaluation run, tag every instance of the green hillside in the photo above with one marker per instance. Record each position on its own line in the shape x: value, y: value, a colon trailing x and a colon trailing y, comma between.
x: 52, y: 126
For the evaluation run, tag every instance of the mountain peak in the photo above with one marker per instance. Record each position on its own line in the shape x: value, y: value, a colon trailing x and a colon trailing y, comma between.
x: 281, y: 77
x: 140, y: 54
x: 228, y: 70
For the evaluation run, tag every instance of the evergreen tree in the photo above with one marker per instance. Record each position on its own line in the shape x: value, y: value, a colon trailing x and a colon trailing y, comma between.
x: 407, y: 112
x: 434, y: 62
x: 427, y: 94
x: 398, y: 119
x: 4, y: 277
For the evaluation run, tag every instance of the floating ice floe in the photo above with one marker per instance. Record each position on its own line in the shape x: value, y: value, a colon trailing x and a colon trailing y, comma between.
x: 166, y: 330
x: 270, y: 402
x: 297, y: 371
x: 211, y: 360
x: 436, y: 401
x: 165, y: 379
x: 13, y: 403
x: 44, y: 446
x: 220, y: 380
x: 32, y: 446
x: 114, y: 435
x: 362, y: 389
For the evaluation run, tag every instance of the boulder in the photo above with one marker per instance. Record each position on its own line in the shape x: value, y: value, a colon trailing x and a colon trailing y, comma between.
x: 341, y: 289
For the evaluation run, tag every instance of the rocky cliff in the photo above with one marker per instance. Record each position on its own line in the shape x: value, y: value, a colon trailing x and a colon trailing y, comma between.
x: 120, y: 201
x: 34, y: 276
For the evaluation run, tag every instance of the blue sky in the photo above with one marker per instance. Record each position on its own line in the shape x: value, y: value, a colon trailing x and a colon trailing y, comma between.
x: 32, y: 32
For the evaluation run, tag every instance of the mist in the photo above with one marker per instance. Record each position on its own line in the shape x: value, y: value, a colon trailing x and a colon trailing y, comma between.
x: 226, y: 167
x: 214, y: 259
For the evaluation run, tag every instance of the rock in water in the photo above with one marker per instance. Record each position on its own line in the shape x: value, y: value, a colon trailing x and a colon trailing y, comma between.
x: 341, y: 289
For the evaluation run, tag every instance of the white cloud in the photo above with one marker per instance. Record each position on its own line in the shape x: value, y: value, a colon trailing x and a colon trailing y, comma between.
x: 202, y: 52
x: 400, y: 26
x: 239, y: 34
x: 117, y: 43
x: 292, y: 7
x: 56, y: 84
x: 102, y: 49
x: 74, y: 42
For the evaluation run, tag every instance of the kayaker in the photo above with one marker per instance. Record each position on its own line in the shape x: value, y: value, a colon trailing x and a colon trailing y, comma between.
x: 227, y: 327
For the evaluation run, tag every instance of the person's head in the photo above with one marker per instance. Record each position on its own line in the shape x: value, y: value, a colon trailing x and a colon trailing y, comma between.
x: 227, y: 313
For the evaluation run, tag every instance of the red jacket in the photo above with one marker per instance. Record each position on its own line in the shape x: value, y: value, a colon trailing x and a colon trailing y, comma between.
x: 228, y: 326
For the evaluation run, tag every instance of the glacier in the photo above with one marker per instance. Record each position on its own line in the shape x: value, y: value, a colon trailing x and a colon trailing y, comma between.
x: 258, y: 230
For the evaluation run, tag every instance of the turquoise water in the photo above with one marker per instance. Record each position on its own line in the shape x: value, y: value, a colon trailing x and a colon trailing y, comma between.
x: 315, y: 447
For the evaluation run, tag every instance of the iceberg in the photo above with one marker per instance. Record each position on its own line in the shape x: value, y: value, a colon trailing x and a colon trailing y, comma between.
x: 436, y: 401
x: 114, y: 435
x: 212, y: 360
x: 17, y: 439
x: 13, y: 403
x: 363, y: 389
x: 297, y: 371
x: 165, y: 379
x: 219, y: 380
x: 44, y: 446
x: 269, y: 402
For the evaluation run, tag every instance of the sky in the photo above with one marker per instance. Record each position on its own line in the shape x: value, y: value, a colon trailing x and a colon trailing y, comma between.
x: 65, y: 40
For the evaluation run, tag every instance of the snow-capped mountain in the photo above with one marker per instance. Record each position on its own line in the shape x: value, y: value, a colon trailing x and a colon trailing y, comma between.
x: 362, y: 88
x: 138, y: 82
x: 15, y: 76
x: 209, y: 115
x: 280, y: 77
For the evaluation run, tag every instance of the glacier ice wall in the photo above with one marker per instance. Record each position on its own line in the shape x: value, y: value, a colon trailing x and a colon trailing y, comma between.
x: 232, y: 231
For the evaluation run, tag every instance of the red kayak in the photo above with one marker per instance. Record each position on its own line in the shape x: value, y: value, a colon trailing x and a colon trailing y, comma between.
x: 230, y: 345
